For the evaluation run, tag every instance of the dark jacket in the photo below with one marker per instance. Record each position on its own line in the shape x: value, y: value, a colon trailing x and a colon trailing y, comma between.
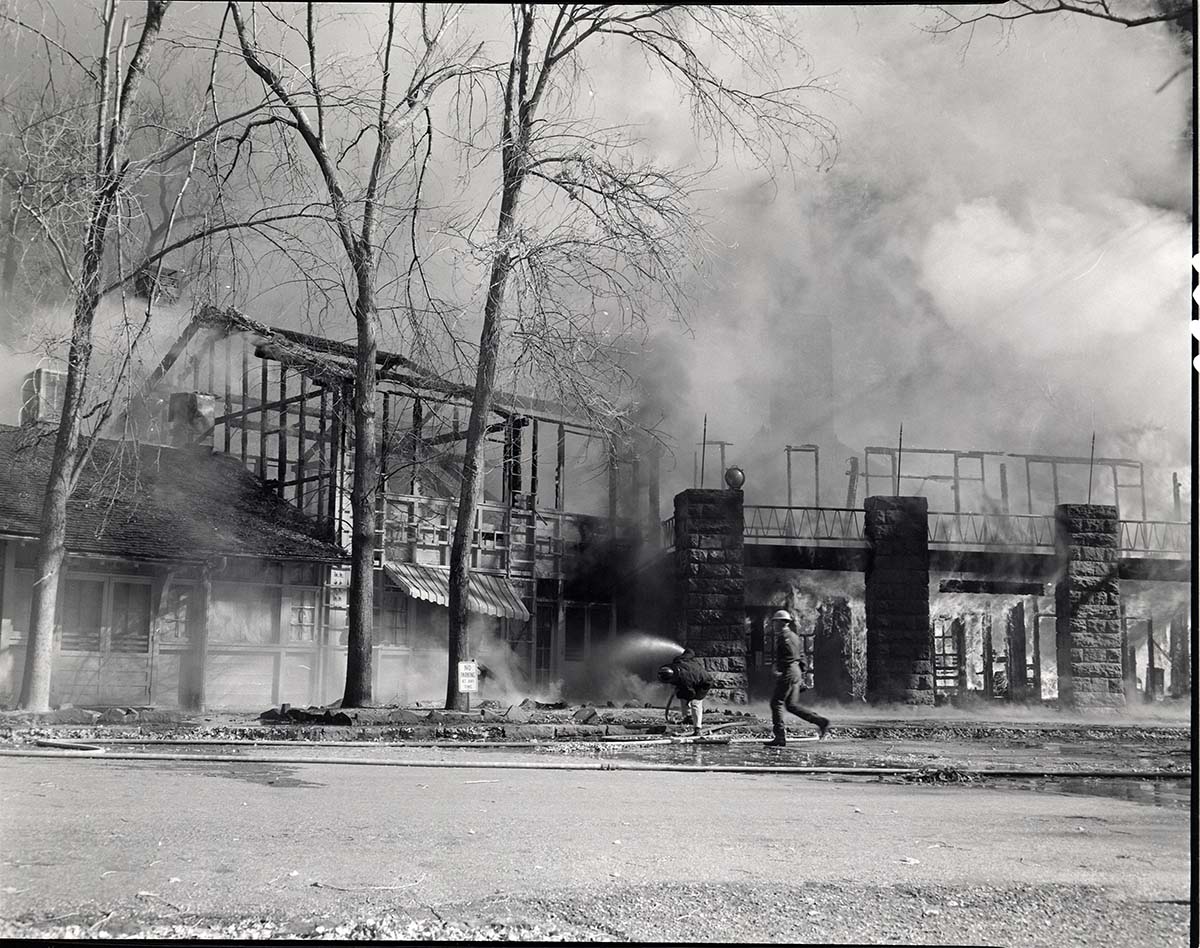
x: 692, y: 679
x: 789, y: 652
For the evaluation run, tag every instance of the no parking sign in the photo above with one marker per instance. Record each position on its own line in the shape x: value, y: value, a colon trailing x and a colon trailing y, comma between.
x: 468, y: 677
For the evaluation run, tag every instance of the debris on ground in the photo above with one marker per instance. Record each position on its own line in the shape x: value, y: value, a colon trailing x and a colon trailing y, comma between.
x: 939, y: 775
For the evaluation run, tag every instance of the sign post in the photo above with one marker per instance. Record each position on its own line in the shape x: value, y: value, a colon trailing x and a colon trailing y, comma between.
x: 468, y: 679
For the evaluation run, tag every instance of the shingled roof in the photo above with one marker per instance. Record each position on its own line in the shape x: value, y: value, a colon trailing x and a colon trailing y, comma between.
x: 151, y: 502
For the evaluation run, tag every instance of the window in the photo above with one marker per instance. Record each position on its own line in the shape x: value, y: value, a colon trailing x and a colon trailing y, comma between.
x: 81, y: 615
x: 26, y: 555
x: 244, y: 614
x: 301, y: 574
x: 130, y: 629
x: 180, y: 613
x: 22, y: 603
x: 302, y: 624
x: 543, y: 644
x: 391, y: 618
x: 599, y: 625
x: 575, y: 640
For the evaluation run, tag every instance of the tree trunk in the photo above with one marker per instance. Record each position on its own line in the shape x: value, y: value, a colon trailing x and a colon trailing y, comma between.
x: 39, y: 646
x: 481, y: 402
x: 35, y: 686
x: 362, y: 498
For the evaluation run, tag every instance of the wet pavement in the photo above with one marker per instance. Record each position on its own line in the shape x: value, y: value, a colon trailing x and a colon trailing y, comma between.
x: 1075, y: 769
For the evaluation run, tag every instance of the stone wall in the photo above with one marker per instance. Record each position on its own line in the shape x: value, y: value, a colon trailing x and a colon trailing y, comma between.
x: 711, y: 586
x: 1087, y: 600
x: 899, y: 648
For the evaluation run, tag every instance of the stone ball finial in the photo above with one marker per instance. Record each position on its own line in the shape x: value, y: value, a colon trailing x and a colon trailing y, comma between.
x: 735, y: 477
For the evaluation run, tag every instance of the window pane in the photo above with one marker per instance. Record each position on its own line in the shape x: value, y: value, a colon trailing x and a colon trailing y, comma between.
x: 26, y: 556
x: 22, y: 603
x: 130, y: 618
x: 83, y: 602
x: 302, y: 625
x: 245, y: 614
x: 180, y: 613
x: 391, y: 619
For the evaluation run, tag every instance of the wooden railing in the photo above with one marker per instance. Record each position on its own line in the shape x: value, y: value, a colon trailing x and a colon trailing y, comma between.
x: 509, y: 540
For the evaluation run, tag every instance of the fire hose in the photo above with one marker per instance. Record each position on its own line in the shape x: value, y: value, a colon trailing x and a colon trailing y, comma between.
x: 78, y: 749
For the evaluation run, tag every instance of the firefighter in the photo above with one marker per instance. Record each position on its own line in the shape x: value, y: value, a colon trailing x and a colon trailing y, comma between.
x: 692, y: 683
x: 789, y: 682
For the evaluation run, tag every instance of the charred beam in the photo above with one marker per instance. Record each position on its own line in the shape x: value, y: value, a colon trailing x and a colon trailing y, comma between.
x: 997, y: 587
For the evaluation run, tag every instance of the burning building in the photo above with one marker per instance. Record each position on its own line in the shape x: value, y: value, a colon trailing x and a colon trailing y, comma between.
x: 207, y: 564
x: 252, y: 434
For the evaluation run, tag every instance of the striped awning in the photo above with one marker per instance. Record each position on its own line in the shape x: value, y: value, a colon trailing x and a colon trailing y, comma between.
x: 487, y: 594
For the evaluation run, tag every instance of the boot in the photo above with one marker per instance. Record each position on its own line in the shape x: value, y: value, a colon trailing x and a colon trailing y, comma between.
x: 822, y: 729
x: 779, y: 740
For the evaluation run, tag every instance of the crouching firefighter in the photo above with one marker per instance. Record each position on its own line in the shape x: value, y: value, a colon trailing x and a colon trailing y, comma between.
x: 692, y: 683
x: 789, y: 682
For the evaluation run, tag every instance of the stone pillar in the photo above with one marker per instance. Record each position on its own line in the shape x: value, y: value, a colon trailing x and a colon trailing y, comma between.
x: 833, y: 674
x: 899, y: 654
x: 711, y: 586
x: 1087, y: 600
x: 1018, y: 675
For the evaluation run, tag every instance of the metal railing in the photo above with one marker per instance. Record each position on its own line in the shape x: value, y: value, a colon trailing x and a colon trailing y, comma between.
x: 991, y: 529
x: 843, y: 524
x: 1170, y: 538
x: 1156, y: 536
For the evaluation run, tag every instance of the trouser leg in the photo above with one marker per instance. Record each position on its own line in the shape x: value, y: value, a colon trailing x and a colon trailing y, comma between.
x: 778, y: 700
x: 804, y: 714
x: 697, y: 706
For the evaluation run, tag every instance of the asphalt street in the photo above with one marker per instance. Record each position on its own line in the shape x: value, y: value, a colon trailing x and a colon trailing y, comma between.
x: 300, y: 843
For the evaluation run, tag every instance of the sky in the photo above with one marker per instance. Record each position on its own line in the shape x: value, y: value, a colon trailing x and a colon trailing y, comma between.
x: 997, y: 260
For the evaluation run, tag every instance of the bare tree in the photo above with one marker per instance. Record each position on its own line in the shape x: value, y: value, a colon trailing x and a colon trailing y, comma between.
x: 1178, y: 15
x: 305, y: 104
x: 115, y: 92
x: 575, y: 211
x: 98, y: 181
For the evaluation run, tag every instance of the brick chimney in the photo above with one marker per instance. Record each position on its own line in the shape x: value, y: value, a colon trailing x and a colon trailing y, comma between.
x: 190, y: 419
x: 41, y: 397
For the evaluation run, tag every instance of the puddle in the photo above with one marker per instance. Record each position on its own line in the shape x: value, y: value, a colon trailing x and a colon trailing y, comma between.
x: 1167, y: 793
x: 263, y: 774
x: 266, y: 775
